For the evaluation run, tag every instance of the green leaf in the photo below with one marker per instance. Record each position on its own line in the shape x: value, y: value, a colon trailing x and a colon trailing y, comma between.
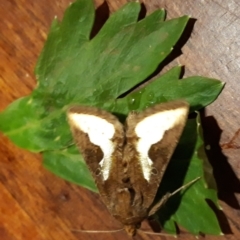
x: 55, y: 52
x: 28, y: 124
x: 92, y: 72
x: 198, y: 91
x: 68, y: 164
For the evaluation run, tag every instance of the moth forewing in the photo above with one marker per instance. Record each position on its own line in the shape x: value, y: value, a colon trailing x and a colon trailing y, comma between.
x: 99, y: 136
x: 156, y: 132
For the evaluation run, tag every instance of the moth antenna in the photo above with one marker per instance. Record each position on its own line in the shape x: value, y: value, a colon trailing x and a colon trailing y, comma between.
x: 184, y: 186
x: 156, y: 207
x: 157, y: 234
x: 96, y: 231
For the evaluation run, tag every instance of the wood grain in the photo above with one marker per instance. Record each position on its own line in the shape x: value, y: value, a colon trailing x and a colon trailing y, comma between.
x: 36, y: 204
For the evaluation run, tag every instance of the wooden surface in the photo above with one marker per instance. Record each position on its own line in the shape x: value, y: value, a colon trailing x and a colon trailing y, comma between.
x: 34, y: 203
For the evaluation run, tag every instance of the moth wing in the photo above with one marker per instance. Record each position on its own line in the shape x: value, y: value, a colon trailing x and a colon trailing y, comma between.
x: 99, y: 136
x: 152, y: 137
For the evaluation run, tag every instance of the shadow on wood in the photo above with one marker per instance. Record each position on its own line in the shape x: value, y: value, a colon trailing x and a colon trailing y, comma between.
x: 226, y: 179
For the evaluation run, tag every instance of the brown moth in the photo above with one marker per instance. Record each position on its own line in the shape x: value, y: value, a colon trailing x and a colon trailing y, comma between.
x: 128, y: 162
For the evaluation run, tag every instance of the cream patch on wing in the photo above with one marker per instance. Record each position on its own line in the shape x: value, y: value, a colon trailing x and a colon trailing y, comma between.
x: 100, y: 133
x: 151, y: 130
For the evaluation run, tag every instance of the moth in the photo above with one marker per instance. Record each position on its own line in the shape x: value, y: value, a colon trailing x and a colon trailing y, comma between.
x: 128, y: 161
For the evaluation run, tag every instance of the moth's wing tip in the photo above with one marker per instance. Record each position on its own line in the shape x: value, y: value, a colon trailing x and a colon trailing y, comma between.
x: 81, y: 109
x: 74, y: 108
x: 70, y: 112
x: 182, y: 102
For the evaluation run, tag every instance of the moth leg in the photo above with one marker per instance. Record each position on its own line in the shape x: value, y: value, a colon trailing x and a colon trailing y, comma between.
x: 161, y: 202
